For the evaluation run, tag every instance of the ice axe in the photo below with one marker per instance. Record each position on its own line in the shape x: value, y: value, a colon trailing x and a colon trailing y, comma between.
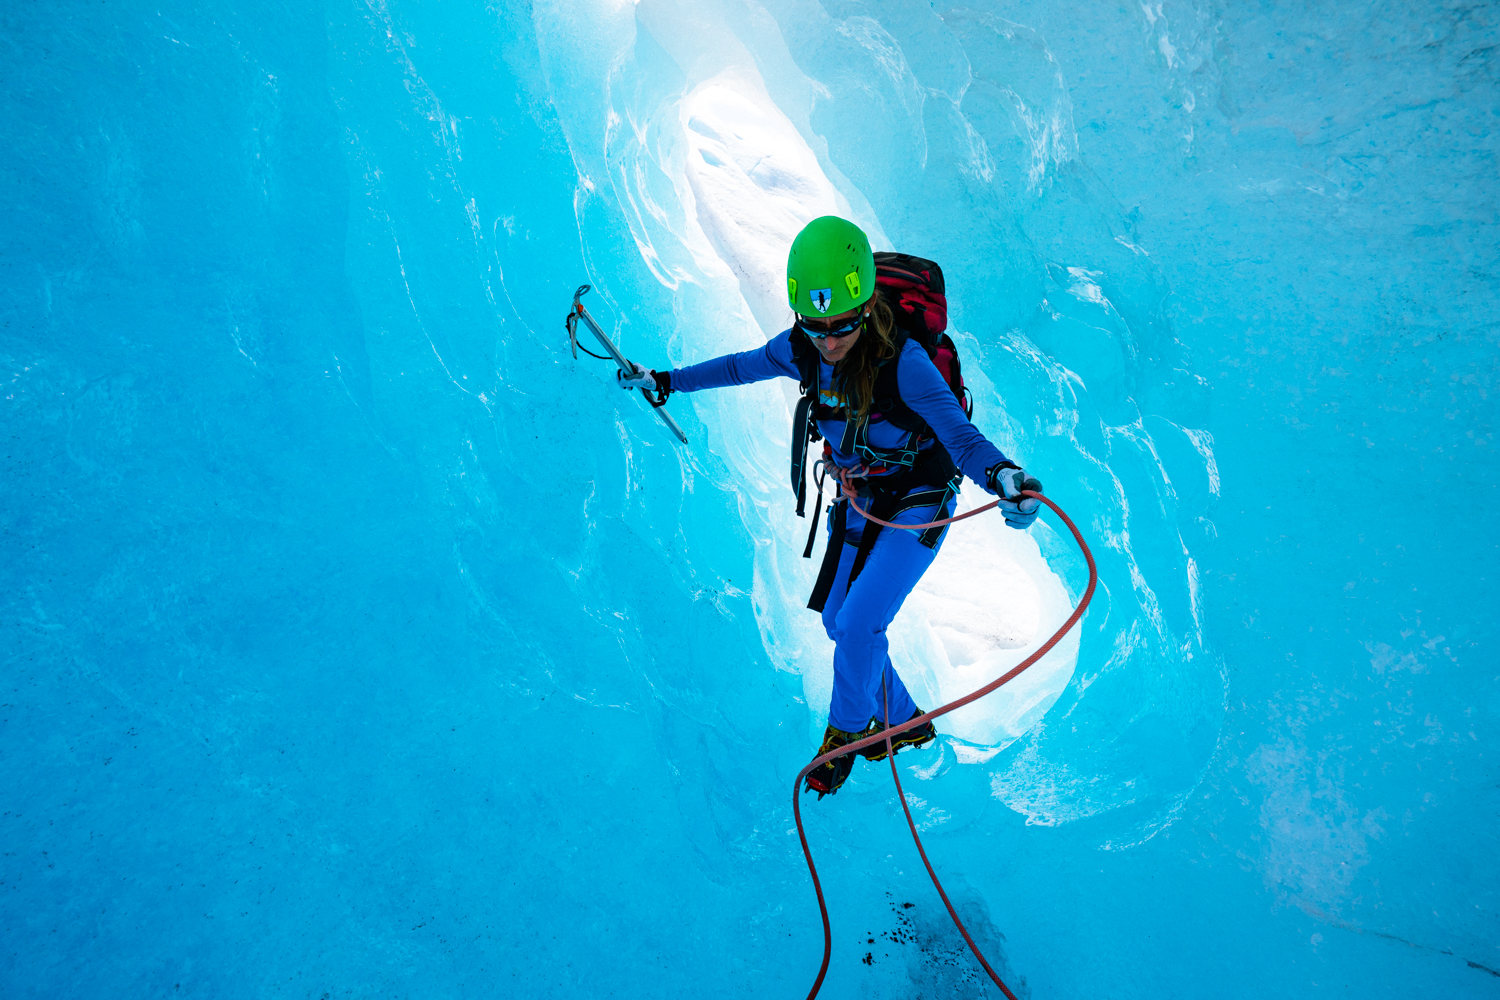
x: 579, y: 312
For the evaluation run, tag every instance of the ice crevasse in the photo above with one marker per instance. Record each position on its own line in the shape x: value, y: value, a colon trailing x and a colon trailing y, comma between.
x: 361, y: 641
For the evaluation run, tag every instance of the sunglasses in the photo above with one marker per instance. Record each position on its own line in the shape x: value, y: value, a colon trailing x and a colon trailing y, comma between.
x: 844, y: 329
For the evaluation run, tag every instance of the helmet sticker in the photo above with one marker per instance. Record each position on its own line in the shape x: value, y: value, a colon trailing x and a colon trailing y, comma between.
x: 822, y: 298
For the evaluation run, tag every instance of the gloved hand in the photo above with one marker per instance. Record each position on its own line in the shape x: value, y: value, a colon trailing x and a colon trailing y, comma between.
x: 659, y: 384
x: 1006, y: 481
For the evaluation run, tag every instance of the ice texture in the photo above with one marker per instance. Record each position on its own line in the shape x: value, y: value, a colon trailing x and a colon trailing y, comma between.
x: 360, y: 641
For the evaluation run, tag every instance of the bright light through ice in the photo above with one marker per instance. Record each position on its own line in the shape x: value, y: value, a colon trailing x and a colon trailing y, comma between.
x: 756, y: 184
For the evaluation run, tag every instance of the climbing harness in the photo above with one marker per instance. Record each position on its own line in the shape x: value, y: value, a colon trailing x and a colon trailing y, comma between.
x: 888, y: 497
x: 890, y: 731
x: 851, y: 494
x: 579, y: 312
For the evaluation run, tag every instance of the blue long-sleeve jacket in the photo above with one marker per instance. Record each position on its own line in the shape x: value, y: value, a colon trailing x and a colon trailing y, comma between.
x: 920, y: 383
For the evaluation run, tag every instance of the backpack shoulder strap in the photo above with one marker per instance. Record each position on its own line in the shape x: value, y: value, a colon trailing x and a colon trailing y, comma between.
x: 805, y: 357
x: 888, y: 399
x: 887, y: 390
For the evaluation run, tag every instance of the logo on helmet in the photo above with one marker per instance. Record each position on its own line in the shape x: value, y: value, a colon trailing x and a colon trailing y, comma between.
x: 822, y: 298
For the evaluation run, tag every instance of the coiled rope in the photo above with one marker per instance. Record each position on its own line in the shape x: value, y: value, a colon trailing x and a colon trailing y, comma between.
x: 890, y: 731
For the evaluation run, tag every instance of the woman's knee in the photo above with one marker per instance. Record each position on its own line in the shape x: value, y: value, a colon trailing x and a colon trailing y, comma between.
x: 849, y: 626
x: 831, y: 622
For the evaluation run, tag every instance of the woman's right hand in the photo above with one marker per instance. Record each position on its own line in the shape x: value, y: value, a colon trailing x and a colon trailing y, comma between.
x: 641, y: 378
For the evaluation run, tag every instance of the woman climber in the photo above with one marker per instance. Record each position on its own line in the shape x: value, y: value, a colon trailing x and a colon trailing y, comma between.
x: 896, y: 433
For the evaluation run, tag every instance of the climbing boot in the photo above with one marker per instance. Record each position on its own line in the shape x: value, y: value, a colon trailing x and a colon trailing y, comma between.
x: 826, y: 778
x: 918, y: 737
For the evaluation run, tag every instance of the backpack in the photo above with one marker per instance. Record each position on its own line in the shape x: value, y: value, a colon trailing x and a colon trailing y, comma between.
x: 913, y: 287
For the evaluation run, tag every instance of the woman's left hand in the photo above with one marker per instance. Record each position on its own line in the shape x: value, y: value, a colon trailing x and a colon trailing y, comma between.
x: 1007, y: 482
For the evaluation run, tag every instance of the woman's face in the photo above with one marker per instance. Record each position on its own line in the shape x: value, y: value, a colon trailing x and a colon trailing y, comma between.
x: 833, y: 348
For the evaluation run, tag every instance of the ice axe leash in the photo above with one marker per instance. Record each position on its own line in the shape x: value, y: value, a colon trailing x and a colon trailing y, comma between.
x: 884, y: 736
x: 578, y: 312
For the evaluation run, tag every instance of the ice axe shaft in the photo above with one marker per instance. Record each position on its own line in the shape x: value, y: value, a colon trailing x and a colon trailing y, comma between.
x: 579, y: 312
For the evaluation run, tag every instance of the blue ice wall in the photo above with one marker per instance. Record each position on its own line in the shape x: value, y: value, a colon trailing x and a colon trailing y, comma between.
x: 357, y: 641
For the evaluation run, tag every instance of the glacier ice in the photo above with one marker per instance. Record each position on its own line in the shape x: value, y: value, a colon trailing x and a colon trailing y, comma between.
x: 359, y: 641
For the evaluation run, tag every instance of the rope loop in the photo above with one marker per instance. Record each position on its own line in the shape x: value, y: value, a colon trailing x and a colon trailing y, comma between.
x: 884, y: 736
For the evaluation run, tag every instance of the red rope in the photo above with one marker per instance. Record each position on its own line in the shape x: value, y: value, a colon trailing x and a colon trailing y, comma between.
x: 845, y: 475
x: 890, y: 731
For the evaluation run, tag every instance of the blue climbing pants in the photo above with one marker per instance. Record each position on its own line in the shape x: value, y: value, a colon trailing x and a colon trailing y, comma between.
x: 856, y: 620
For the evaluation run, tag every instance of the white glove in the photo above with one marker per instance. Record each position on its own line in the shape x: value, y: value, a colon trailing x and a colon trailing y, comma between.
x: 1007, y: 482
x: 641, y: 378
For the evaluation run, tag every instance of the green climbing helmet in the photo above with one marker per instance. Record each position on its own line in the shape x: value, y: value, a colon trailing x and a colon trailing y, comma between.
x: 830, y: 268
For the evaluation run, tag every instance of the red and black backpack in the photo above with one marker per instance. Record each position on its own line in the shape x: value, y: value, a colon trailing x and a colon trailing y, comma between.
x: 913, y: 288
